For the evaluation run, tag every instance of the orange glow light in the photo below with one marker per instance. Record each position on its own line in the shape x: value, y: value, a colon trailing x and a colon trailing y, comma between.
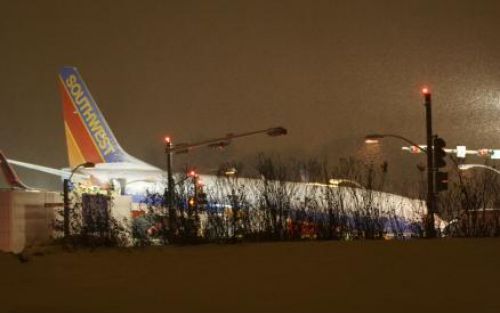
x: 483, y: 152
x: 426, y: 91
x: 167, y: 139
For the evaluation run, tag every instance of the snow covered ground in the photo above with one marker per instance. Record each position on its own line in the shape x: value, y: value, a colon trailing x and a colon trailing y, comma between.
x: 458, y: 275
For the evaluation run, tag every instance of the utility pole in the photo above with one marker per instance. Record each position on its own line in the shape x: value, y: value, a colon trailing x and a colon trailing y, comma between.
x: 170, y: 193
x: 430, y: 231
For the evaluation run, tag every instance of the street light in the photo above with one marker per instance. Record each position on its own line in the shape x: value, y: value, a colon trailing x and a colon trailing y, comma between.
x: 465, y: 167
x: 66, y: 183
x: 371, y: 141
x: 375, y: 138
x: 221, y: 142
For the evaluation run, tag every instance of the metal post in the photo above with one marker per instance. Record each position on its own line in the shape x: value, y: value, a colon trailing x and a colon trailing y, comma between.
x: 170, y: 193
x: 66, y: 207
x: 430, y: 231
x: 196, y: 197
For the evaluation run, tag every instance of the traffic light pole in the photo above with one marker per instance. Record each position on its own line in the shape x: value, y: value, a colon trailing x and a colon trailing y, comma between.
x: 430, y: 231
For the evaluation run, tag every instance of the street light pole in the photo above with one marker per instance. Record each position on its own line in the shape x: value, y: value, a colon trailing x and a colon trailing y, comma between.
x: 170, y: 149
x: 431, y: 196
x: 374, y: 138
x: 224, y: 141
x: 172, y: 221
x: 430, y: 230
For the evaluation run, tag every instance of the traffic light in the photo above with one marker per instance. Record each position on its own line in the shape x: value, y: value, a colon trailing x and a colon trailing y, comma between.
x: 441, y: 181
x: 439, y: 153
x: 440, y: 178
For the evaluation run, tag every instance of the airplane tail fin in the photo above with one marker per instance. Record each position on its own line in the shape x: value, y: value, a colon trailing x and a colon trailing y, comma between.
x: 11, y: 175
x: 88, y: 136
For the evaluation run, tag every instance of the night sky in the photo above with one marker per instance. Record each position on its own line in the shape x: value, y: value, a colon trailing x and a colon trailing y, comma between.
x: 329, y: 71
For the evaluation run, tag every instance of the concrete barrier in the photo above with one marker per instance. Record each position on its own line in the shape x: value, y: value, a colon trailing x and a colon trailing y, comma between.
x: 26, y: 218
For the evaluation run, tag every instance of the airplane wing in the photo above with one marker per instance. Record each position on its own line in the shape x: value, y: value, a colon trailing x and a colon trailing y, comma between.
x: 49, y: 170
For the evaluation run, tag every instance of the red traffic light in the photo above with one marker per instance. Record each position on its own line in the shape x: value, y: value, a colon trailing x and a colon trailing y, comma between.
x: 426, y: 92
x: 192, y: 173
x: 167, y: 139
